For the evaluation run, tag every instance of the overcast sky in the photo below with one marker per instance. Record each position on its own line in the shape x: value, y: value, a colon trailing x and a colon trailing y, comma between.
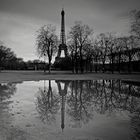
x: 20, y: 19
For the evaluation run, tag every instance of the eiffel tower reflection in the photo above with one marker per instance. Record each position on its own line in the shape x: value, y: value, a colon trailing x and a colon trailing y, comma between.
x: 62, y: 92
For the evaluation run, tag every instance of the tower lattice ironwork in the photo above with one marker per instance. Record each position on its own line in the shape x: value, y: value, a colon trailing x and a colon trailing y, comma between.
x: 62, y: 46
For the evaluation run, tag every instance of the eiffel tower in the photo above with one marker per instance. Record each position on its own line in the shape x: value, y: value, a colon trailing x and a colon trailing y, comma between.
x: 62, y: 46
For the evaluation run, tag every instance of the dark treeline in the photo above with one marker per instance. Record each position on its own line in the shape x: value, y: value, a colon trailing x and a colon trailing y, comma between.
x: 9, y: 61
x: 107, y: 51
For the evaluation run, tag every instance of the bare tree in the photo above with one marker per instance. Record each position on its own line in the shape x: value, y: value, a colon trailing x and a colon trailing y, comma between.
x: 97, y: 52
x: 118, y: 52
x: 88, y: 52
x: 103, y: 43
x: 47, y: 43
x: 6, y: 55
x: 111, y: 49
x: 80, y: 36
x: 74, y: 51
x: 127, y: 52
x: 135, y: 24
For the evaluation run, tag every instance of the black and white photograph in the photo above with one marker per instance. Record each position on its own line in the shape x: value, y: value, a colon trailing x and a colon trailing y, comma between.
x: 69, y: 69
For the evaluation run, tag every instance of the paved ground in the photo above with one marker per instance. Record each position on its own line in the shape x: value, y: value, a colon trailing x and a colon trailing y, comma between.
x: 18, y: 76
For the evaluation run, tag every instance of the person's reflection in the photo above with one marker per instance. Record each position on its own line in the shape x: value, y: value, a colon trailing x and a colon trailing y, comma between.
x: 62, y: 92
x: 47, y: 103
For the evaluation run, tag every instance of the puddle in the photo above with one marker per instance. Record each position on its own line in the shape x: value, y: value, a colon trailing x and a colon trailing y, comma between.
x: 70, y: 110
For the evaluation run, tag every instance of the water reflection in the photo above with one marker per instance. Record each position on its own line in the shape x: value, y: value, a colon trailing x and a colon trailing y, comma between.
x: 7, y: 90
x: 63, y: 93
x: 7, y: 130
x: 75, y: 107
x: 47, y: 103
x: 135, y: 126
x: 80, y: 100
x: 80, y: 103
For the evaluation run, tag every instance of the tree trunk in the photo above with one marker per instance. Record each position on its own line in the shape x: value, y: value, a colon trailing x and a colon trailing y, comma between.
x: 81, y: 65
x: 103, y: 69
x: 96, y: 65
x: 112, y: 65
x: 129, y: 63
x: 44, y: 67
x: 76, y: 64
x: 81, y: 61
x: 91, y: 65
x: 72, y: 62
x: 87, y: 63
x: 119, y: 63
x: 73, y: 66
x: 49, y: 66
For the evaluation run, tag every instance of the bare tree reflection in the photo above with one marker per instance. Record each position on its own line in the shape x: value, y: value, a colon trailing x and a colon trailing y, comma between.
x: 47, y: 103
x: 82, y: 99
x: 101, y: 96
x: 113, y: 95
x: 79, y: 103
x: 6, y: 90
